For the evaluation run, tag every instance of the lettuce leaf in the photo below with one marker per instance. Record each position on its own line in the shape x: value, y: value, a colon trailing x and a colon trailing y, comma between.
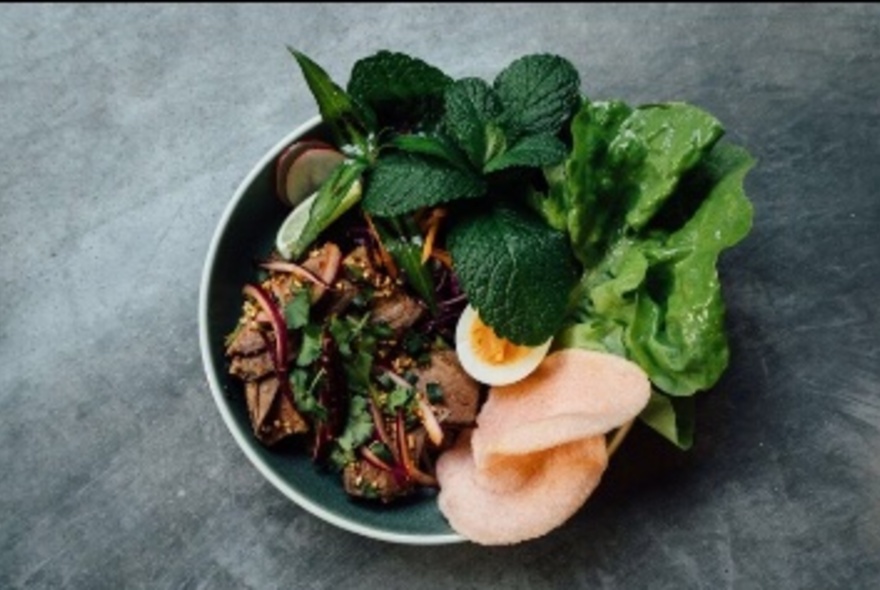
x: 672, y: 418
x: 649, y: 220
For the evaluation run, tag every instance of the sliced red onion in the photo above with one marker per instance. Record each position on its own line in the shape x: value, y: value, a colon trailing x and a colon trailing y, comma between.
x: 371, y: 458
x: 296, y: 269
x: 379, y: 424
x: 264, y: 300
x: 425, y: 413
x: 279, y: 327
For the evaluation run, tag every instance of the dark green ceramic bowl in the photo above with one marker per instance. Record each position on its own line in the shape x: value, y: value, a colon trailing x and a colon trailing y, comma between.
x: 246, y: 232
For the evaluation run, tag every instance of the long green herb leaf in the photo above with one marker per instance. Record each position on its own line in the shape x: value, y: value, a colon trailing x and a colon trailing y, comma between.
x: 349, y: 122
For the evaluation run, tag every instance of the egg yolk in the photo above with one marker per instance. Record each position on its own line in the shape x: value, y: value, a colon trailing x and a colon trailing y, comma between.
x: 492, y: 349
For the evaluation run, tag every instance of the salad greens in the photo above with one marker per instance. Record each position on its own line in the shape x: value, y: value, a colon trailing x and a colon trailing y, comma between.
x: 594, y: 222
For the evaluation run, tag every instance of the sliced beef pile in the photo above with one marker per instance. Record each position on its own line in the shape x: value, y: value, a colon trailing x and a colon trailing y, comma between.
x: 354, y: 284
x: 272, y: 411
x: 273, y: 415
x: 387, y: 482
x: 389, y: 302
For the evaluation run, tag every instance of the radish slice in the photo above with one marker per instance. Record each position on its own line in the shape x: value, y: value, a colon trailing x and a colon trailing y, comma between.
x: 303, y: 168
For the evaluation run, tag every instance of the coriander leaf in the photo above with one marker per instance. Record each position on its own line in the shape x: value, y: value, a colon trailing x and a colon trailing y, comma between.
x: 345, y: 330
x: 399, y: 398
x: 349, y: 122
x: 438, y: 146
x: 516, y: 271
x: 671, y: 417
x: 402, y: 90
x: 296, y: 312
x: 532, y: 151
x: 402, y: 183
x: 304, y: 394
x: 357, y: 370
x: 471, y: 105
x: 358, y: 430
x: 310, y: 348
x: 539, y: 93
x: 338, y: 194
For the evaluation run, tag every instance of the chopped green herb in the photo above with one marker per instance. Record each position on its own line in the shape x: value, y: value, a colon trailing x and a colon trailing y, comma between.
x: 434, y: 391
x: 310, y: 348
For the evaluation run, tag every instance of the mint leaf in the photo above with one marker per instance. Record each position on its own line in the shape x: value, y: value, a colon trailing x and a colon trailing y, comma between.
x: 471, y: 105
x: 401, y: 183
x: 533, y: 151
x: 349, y: 122
x: 516, y: 271
x: 539, y: 93
x: 437, y: 146
x: 402, y: 90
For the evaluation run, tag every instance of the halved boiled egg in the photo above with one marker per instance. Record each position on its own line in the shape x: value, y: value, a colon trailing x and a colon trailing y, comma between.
x: 490, y: 359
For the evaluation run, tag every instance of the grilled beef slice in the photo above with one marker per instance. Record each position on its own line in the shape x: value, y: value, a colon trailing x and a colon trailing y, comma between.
x: 398, y: 310
x: 273, y: 416
x: 362, y: 479
x: 461, y: 393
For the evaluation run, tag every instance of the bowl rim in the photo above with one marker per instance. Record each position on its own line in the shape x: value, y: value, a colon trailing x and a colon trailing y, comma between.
x: 244, y: 439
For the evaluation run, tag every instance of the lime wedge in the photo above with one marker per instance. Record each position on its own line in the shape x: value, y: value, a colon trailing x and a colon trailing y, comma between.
x: 293, y: 226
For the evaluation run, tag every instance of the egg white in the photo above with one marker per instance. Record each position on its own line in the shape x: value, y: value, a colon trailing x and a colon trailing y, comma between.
x: 491, y: 373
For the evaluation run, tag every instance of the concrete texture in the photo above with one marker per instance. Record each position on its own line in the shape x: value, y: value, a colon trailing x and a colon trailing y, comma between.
x: 125, y: 130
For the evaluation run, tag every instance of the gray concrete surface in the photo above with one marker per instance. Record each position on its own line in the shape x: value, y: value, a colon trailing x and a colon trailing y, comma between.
x: 124, y: 130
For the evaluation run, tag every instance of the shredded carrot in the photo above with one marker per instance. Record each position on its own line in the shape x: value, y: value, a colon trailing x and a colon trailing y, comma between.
x: 433, y: 224
x: 387, y: 261
x: 442, y: 256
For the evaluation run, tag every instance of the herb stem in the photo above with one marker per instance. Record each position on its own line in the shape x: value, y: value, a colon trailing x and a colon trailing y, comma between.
x: 618, y: 437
